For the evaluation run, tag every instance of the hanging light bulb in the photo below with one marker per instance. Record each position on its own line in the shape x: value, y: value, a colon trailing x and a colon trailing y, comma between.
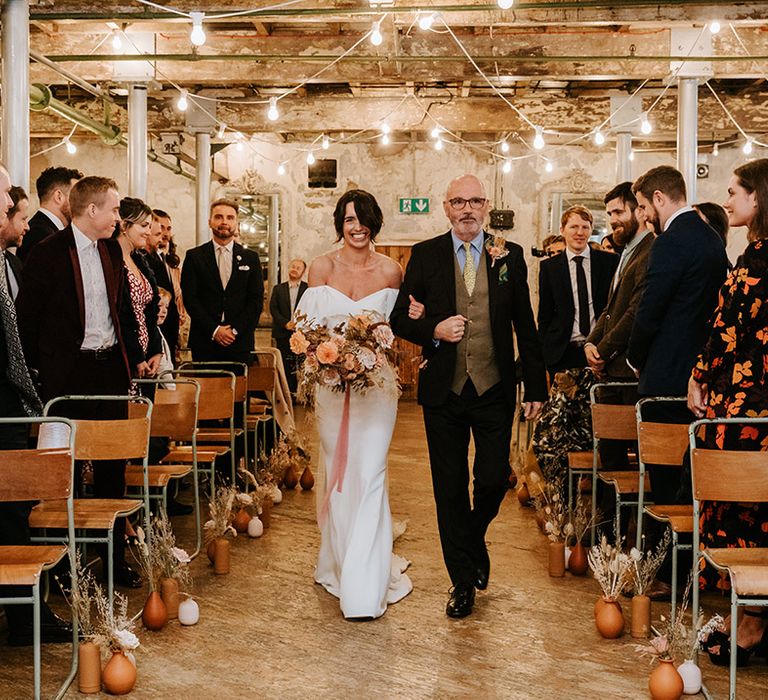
x: 385, y: 139
x: 197, y: 36
x: 426, y: 20
x: 747, y: 148
x: 71, y: 148
x: 182, y: 102
x: 385, y: 128
x: 505, y: 4
x: 549, y: 166
x: 538, y: 140
x: 376, y: 37
x: 326, y: 142
x: 507, y: 167
x: 439, y: 144
x: 504, y: 147
x: 272, y: 113
x: 435, y: 133
x: 281, y: 169
x: 715, y: 150
x: 714, y: 26
x: 222, y: 130
x: 310, y: 158
x: 645, y: 126
x: 117, y: 40
x: 599, y: 138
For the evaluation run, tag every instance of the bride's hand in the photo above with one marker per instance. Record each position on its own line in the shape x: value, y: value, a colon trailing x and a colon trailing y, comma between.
x: 416, y: 310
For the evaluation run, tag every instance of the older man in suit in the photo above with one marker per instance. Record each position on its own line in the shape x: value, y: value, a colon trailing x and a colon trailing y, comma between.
x: 53, y: 187
x: 74, y: 311
x: 573, y: 289
x: 282, y: 304
x: 223, y: 291
x: 474, y: 288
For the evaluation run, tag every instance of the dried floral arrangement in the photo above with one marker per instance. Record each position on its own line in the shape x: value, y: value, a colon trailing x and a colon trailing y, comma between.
x: 645, y: 565
x: 80, y: 598
x: 253, y: 499
x: 351, y: 355
x: 551, y: 507
x: 612, y: 568
x: 582, y: 518
x: 171, y: 561
x: 220, y: 512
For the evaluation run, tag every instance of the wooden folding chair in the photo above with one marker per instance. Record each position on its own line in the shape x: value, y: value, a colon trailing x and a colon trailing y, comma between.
x: 662, y: 443
x: 174, y: 416
x: 735, y: 477
x: 29, y: 475
x: 96, y: 440
x: 260, y: 411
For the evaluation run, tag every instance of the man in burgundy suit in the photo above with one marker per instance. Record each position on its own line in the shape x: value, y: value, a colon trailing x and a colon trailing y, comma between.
x: 74, y: 309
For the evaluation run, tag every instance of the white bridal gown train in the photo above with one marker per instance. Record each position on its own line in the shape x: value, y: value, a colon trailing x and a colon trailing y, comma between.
x: 356, y: 563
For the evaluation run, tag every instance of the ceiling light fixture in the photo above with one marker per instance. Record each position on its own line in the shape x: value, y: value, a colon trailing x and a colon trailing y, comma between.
x: 326, y: 142
x: 538, y: 139
x: 272, y: 113
x: 505, y: 4
x: 507, y: 167
x: 599, y: 138
x: 182, y: 103
x: 504, y: 147
x: 714, y: 26
x: 716, y: 150
x: 645, y: 126
x: 117, y: 40
x: 376, y: 37
x: 426, y: 20
x: 747, y: 148
x: 197, y: 35
x: 310, y: 158
x: 71, y: 148
x: 435, y: 133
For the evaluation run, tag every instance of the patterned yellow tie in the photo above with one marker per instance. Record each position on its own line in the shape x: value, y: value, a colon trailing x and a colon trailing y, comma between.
x: 469, y: 269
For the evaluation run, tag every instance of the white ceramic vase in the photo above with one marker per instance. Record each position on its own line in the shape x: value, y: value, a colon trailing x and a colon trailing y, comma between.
x: 567, y: 555
x: 277, y: 495
x: 691, y: 675
x: 189, y: 612
x: 255, y: 527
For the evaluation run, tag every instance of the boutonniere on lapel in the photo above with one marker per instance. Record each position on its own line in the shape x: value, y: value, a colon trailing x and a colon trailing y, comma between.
x: 497, y: 249
x: 239, y: 266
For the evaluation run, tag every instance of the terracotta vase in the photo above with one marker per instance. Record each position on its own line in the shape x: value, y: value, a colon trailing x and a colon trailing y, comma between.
x: 266, y: 512
x: 578, y: 564
x: 640, y: 624
x: 557, y: 559
x: 169, y: 592
x: 189, y: 612
x: 307, y: 481
x: 523, y: 497
x: 155, y: 614
x: 119, y: 674
x: 255, y: 527
x: 209, y: 550
x: 88, y: 667
x: 691, y: 675
x: 221, y: 556
x: 609, y: 619
x: 290, y: 480
x: 665, y: 683
x: 240, y: 523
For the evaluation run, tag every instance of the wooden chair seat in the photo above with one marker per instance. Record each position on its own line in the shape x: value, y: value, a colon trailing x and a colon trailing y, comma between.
x: 580, y: 460
x: 251, y: 420
x: 183, y: 454
x: 21, y: 565
x: 216, y: 435
x: 158, y: 474
x: 679, y: 518
x: 625, y: 482
x: 747, y: 566
x: 90, y: 513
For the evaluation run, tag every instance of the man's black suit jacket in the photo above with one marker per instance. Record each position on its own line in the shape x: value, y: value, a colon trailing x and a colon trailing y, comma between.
x: 557, y: 307
x: 40, y: 227
x: 280, y: 308
x: 16, y: 266
x: 170, y: 327
x: 686, y: 267
x: 206, y: 301
x: 430, y: 278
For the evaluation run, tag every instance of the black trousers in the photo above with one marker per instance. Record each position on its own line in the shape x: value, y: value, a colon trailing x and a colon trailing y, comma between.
x: 573, y: 358
x: 289, y: 360
x: 462, y: 525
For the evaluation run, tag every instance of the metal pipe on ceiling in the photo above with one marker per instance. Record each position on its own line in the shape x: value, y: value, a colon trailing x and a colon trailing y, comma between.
x: 71, y: 77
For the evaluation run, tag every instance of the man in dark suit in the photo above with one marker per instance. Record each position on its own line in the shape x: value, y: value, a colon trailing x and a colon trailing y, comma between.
x: 282, y: 304
x: 156, y: 261
x: 18, y: 398
x: 53, y: 187
x: 74, y: 311
x: 11, y: 234
x: 223, y: 291
x: 573, y: 289
x: 475, y: 292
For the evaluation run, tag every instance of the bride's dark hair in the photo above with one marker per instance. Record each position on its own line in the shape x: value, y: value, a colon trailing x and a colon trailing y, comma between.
x: 367, y: 210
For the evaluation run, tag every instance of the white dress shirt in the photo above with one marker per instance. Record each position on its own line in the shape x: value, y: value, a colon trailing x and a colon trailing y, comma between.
x: 293, y: 293
x: 575, y: 332
x: 57, y: 222
x: 99, y: 329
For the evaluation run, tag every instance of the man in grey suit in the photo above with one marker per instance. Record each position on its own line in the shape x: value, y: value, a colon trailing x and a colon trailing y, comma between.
x: 282, y: 304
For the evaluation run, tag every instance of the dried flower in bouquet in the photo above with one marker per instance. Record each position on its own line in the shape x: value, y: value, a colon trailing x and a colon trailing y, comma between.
x: 170, y: 561
x: 612, y: 568
x: 220, y: 512
x: 81, y: 599
x: 645, y: 565
x: 114, y: 629
x: 551, y: 508
x: 582, y: 518
x: 144, y: 558
x: 253, y: 499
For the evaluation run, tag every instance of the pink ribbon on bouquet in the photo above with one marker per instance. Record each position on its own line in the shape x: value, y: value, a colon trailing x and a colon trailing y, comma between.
x: 339, y: 464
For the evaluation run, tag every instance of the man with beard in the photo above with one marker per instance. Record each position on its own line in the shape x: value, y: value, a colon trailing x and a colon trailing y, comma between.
x: 606, y: 346
x: 223, y: 291
x: 157, y: 247
x: 11, y: 234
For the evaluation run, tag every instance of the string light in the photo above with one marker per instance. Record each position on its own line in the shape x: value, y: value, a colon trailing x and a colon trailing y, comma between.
x: 435, y: 133
x: 326, y: 142
x: 538, y: 140
x: 197, y: 36
x: 599, y: 138
x: 426, y: 20
x: 507, y: 167
x: 505, y: 4
x: 385, y: 129
x: 714, y: 26
x: 549, y: 166
x: 272, y: 113
x: 376, y: 37
x: 715, y: 150
x: 182, y: 102
x: 281, y: 169
x: 645, y: 126
x: 385, y: 139
x: 222, y: 130
x: 117, y: 40
x: 71, y: 148
x: 439, y: 144
x: 504, y: 147
x: 747, y: 148
x: 310, y: 158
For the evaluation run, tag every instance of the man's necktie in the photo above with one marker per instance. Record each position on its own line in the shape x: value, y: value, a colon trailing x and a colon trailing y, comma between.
x: 225, y: 266
x: 581, y: 288
x: 470, y: 273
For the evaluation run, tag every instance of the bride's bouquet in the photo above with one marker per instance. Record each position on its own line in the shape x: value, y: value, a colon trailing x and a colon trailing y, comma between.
x: 350, y: 355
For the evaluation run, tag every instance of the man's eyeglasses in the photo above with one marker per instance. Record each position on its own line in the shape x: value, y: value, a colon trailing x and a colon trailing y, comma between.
x: 474, y: 203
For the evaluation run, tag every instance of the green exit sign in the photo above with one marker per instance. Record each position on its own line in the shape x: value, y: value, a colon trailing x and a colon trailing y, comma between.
x: 414, y: 205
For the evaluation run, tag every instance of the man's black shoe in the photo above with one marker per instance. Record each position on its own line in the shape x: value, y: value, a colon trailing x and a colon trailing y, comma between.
x: 483, y: 568
x: 177, y: 508
x: 126, y: 577
x: 461, y: 601
x: 481, y: 579
x: 53, y: 631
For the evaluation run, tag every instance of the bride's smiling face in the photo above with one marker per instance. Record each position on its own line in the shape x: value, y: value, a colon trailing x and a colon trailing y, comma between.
x: 356, y: 235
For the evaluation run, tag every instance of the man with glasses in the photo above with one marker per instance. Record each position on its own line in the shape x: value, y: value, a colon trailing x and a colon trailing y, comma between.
x: 474, y: 292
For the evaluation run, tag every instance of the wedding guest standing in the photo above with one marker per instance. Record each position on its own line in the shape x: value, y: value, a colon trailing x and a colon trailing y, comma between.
x: 11, y: 234
x: 282, y: 304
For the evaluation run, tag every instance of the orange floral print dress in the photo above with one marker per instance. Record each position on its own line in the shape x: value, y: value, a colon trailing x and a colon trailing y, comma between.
x: 734, y: 365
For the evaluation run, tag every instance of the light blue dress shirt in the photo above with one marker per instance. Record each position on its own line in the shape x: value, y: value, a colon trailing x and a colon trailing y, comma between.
x: 461, y: 253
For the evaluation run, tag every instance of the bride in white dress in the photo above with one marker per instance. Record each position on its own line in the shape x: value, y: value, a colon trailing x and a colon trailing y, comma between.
x: 356, y: 563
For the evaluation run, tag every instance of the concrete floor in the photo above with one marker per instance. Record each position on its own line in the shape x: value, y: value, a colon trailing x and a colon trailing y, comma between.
x: 267, y: 631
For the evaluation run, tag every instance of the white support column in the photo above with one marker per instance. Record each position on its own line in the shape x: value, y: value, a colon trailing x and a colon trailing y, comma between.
x: 687, y: 132
x: 203, y: 186
x: 137, y: 141
x: 15, y: 113
x: 623, y: 152
x: 273, y: 241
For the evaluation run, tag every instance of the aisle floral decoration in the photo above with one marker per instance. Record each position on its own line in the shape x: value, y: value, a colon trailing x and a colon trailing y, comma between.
x: 171, y: 561
x: 611, y: 567
x: 551, y: 508
x: 645, y: 565
x: 219, y: 523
